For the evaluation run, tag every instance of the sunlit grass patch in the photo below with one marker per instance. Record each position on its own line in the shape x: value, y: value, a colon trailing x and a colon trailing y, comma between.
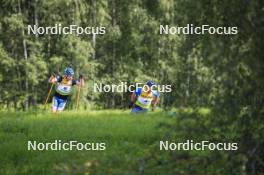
x: 127, y: 137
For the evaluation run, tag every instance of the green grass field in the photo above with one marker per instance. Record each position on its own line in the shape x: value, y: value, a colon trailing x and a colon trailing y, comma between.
x: 129, y: 140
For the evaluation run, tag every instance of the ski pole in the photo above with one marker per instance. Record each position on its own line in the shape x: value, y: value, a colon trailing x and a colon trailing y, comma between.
x: 79, y: 91
x: 78, y: 97
x: 47, y: 99
x: 51, y: 87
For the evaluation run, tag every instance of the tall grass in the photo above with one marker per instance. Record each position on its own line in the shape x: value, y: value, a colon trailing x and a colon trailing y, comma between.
x: 127, y: 137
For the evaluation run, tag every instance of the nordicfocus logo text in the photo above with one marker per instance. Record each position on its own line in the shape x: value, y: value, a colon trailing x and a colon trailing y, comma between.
x: 190, y: 29
x: 125, y: 87
x: 198, y: 146
x: 58, y: 145
x: 58, y: 29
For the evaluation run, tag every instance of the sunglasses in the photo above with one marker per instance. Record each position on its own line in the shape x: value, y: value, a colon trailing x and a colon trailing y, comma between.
x: 68, y: 76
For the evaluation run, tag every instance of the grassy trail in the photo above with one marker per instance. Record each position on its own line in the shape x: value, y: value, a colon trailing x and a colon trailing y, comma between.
x: 128, y: 139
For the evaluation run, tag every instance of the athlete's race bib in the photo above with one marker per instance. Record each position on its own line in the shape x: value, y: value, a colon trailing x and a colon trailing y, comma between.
x: 64, y: 87
x: 144, y: 101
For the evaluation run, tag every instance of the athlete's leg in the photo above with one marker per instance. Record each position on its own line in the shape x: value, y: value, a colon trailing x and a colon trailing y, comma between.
x: 61, y: 105
x: 55, y: 104
x: 138, y: 109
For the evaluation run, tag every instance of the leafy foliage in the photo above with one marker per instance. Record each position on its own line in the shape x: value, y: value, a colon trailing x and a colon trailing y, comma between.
x: 220, y: 72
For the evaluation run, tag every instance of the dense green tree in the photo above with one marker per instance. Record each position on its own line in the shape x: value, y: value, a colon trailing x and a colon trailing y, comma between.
x: 221, y: 72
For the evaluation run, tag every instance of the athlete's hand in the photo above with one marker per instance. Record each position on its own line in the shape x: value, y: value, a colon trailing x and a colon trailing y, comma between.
x: 130, y: 105
x: 52, y: 78
x: 53, y: 75
x: 81, y: 77
x: 81, y: 80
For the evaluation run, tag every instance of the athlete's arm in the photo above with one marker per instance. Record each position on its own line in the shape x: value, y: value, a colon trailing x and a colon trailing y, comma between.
x: 52, y: 79
x: 80, y: 82
x: 155, y: 101
x: 133, y: 99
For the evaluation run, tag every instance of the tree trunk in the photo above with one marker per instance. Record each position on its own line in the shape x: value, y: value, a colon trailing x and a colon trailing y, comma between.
x: 26, y: 60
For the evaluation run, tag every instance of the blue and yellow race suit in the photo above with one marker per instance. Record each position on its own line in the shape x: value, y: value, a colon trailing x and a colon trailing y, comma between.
x: 63, y: 90
x: 144, y: 100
